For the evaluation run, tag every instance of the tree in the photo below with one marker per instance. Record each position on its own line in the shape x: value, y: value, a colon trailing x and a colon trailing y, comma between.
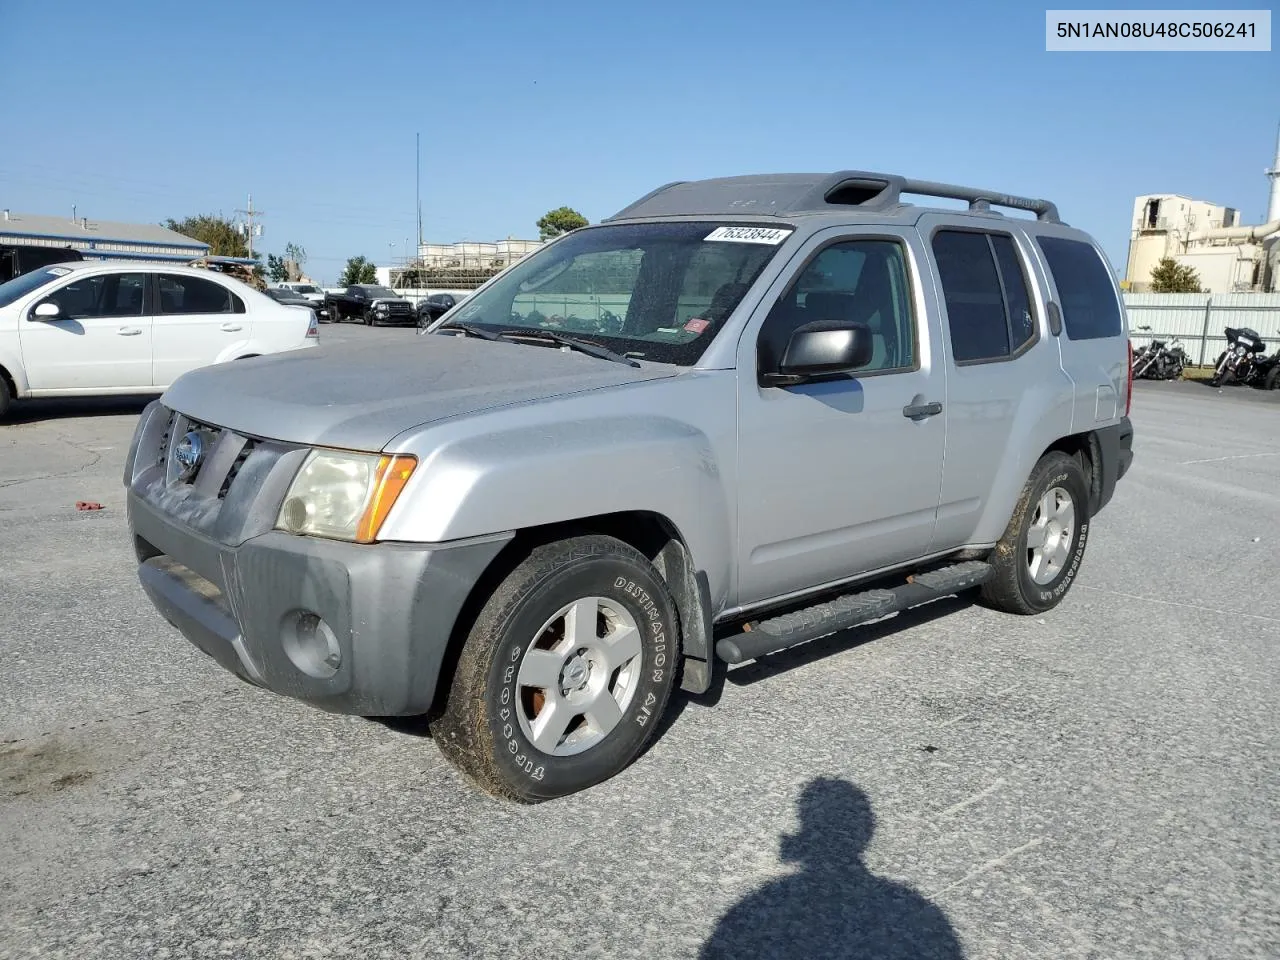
x: 277, y: 268
x: 359, y: 270
x: 221, y: 235
x: 558, y: 221
x: 1170, y: 276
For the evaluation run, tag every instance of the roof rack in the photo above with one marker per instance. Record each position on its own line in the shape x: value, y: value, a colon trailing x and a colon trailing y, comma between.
x: 789, y: 194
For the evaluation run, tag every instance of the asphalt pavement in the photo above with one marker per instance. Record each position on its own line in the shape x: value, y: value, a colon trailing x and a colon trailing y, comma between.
x: 1097, y: 782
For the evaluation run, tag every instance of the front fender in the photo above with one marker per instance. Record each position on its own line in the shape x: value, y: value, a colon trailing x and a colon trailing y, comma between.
x: 511, y: 478
x: 12, y: 362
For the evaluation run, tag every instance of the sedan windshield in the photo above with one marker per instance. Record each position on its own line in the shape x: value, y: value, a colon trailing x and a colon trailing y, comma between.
x: 653, y: 291
x: 21, y: 285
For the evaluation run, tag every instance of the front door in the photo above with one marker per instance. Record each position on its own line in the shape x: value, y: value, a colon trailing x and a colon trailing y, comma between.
x: 102, y: 340
x: 197, y: 320
x: 841, y: 477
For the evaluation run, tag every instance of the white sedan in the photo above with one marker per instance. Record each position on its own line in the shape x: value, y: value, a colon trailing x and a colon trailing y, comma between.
x: 96, y: 328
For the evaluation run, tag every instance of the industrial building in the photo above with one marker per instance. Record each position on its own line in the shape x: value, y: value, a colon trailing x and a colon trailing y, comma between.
x: 100, y: 239
x: 459, y: 266
x: 1228, y: 257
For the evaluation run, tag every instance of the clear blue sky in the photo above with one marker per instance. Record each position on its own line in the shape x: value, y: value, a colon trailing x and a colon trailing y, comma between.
x: 144, y: 109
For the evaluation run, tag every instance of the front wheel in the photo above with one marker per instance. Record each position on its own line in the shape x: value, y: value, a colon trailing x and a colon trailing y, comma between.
x: 1272, y: 382
x: 6, y: 397
x: 1037, y: 559
x: 565, y: 673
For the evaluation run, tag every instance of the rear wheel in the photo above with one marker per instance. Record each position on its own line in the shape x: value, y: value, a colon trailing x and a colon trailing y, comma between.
x: 1273, y: 379
x: 1036, y: 560
x: 565, y: 673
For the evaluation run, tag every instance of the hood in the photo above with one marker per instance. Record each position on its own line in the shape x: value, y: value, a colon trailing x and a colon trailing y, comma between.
x: 361, y: 395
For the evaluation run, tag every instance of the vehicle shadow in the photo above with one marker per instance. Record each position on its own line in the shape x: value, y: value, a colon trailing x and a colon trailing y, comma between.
x: 66, y: 408
x: 834, y: 906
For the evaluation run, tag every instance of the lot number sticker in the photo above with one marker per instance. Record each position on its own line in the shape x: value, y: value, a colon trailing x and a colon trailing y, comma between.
x: 770, y: 235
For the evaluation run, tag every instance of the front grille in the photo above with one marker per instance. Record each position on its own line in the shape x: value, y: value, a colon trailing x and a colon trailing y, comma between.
x: 235, y: 468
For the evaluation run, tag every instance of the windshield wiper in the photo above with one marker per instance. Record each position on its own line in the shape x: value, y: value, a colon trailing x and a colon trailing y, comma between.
x: 588, y: 347
x: 470, y: 328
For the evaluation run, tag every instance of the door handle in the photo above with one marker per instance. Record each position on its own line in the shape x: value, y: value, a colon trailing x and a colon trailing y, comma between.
x: 128, y: 332
x: 919, y: 411
x: 231, y: 327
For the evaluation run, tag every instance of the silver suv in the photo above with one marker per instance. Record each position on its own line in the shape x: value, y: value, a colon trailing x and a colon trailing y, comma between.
x: 739, y: 415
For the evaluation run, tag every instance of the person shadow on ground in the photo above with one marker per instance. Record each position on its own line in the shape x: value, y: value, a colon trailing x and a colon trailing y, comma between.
x: 834, y: 907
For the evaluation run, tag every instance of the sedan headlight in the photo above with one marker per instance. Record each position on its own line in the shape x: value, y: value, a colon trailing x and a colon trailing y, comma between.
x: 345, y: 496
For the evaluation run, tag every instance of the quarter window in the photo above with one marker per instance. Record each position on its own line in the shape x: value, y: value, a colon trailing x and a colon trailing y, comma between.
x: 1089, y: 307
x: 985, y: 290
x: 864, y: 281
x: 187, y: 295
x: 102, y: 295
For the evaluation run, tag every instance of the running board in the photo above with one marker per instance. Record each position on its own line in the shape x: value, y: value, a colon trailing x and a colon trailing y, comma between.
x: 800, y: 626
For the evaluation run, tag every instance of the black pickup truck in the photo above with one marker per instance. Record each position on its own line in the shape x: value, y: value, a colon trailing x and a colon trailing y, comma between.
x: 370, y: 304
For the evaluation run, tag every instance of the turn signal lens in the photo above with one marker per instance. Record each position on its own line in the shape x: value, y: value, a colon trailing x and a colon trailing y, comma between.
x: 390, y: 477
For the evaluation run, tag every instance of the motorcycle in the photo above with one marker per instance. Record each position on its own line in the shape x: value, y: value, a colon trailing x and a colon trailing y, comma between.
x: 1266, y: 372
x: 1160, y: 360
x: 1238, y: 361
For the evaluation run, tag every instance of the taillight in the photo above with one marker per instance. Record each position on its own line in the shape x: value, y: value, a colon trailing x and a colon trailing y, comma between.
x: 313, y: 327
x: 1128, y: 400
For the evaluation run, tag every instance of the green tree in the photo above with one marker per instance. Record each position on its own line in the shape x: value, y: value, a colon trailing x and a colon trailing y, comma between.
x: 1169, y: 276
x: 359, y: 270
x: 558, y: 221
x: 221, y: 235
x: 277, y: 268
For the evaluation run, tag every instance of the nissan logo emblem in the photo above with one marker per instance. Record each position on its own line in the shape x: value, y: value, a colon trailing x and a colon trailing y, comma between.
x: 189, y: 454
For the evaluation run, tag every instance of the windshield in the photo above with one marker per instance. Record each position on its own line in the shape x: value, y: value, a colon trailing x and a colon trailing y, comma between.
x: 305, y: 288
x: 379, y: 292
x: 21, y: 285
x: 653, y: 291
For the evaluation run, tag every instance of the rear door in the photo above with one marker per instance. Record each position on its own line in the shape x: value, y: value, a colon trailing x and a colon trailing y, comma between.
x: 197, y: 319
x: 1003, y: 376
x: 101, y: 341
x: 1095, y: 354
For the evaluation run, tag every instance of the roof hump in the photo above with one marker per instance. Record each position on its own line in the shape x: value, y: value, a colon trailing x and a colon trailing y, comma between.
x: 794, y: 194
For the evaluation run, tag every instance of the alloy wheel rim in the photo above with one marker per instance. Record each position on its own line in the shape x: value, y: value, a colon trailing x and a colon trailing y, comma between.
x: 1051, y: 535
x: 578, y: 676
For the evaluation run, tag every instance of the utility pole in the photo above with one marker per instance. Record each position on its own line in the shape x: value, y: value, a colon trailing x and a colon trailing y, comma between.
x: 250, y: 231
x: 417, y: 181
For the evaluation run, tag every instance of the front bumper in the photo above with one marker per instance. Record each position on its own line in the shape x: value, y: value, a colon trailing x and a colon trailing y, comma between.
x: 389, y: 609
x: 351, y: 628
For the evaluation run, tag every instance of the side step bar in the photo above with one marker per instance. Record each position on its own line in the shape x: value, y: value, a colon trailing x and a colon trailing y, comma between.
x: 800, y: 626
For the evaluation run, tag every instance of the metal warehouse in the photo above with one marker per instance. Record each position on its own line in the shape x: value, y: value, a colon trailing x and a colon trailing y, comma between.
x: 100, y: 239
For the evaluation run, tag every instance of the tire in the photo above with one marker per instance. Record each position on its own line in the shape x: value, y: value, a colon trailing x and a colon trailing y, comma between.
x: 487, y: 729
x: 368, y: 319
x: 6, y: 396
x: 1027, y: 582
x: 1272, y: 383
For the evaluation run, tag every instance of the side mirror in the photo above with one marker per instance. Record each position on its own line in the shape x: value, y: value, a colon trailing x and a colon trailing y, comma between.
x: 822, y: 348
x: 46, y: 311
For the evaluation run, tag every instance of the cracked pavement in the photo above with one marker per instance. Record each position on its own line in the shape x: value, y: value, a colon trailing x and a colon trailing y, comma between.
x: 1097, y: 782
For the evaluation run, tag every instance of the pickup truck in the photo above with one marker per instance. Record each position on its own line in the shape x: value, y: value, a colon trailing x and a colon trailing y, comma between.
x: 369, y: 304
x: 739, y: 415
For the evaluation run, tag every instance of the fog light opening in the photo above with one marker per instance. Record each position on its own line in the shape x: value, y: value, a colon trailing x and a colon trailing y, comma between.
x: 311, y: 644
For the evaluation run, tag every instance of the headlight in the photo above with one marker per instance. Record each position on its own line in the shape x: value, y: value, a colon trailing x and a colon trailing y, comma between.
x: 345, y: 496
x: 381, y: 308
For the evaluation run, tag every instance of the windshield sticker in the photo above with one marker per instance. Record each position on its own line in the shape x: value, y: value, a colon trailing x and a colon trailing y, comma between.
x: 697, y: 325
x: 770, y: 235
x: 59, y: 271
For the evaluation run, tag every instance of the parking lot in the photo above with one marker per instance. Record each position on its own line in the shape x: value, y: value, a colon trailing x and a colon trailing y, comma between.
x: 1097, y: 782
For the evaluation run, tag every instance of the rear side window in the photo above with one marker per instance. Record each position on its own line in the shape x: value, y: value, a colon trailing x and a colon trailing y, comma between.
x: 985, y: 289
x: 1089, y: 307
x: 188, y: 295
